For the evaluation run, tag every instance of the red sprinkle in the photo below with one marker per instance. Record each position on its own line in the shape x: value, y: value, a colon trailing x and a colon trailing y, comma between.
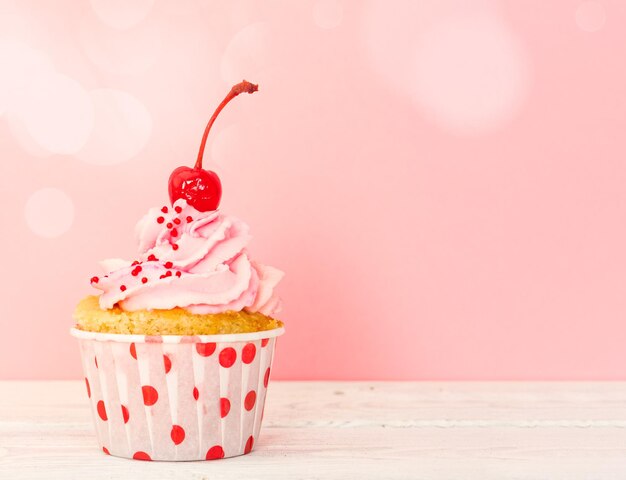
x: 174, y: 232
x: 152, y: 258
x: 136, y: 271
x: 144, y: 280
x: 160, y: 220
x: 178, y: 209
x: 135, y: 263
x: 168, y: 273
x: 169, y: 225
x: 169, y: 264
x: 164, y: 209
x: 94, y: 279
x: 177, y: 221
x: 178, y: 274
x: 189, y: 219
x: 174, y: 246
x: 122, y: 287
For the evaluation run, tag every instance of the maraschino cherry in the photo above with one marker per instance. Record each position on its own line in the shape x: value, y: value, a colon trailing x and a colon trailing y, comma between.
x: 202, y: 188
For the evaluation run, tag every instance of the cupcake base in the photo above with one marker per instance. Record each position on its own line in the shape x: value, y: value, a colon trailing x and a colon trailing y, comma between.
x: 177, y: 321
x: 177, y: 398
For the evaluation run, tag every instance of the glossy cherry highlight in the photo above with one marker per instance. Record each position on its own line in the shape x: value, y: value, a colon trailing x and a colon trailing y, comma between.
x: 202, y: 188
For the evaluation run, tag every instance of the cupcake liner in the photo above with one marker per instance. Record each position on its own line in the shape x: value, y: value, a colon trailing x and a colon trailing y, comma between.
x: 177, y: 398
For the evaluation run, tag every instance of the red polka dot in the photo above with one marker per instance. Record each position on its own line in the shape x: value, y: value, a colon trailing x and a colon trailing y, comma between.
x: 248, y: 353
x: 224, y: 406
x: 88, y: 387
x: 215, y: 452
x: 178, y: 434
x: 125, y: 414
x: 150, y: 395
x: 102, y: 412
x: 265, y: 341
x: 106, y: 450
x: 196, y: 393
x: 249, y: 445
x: 205, y: 349
x: 168, y: 363
x: 250, y: 400
x: 266, y: 379
x: 133, y: 351
x: 141, y: 456
x: 228, y: 357
x: 95, y: 361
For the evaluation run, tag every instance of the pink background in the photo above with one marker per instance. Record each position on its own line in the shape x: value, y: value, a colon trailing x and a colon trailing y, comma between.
x: 442, y: 181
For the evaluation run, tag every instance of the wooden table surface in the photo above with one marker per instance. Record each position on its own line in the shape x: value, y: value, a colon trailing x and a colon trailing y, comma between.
x: 352, y: 430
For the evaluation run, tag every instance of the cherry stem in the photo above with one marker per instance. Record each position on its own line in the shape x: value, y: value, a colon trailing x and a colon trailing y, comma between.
x: 242, y: 87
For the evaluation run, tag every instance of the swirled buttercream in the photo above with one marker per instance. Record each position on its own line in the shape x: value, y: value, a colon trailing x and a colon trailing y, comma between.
x: 192, y: 260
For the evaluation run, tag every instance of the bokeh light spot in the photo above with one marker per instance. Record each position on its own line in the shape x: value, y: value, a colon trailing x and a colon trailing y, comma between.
x: 20, y: 63
x: 459, y: 62
x: 470, y: 74
x: 590, y: 16
x: 56, y: 111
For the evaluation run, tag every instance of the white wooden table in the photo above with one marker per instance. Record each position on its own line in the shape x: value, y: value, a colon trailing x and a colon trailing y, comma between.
x: 353, y: 430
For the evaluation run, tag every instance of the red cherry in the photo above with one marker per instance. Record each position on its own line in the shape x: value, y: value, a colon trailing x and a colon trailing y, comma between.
x: 201, y: 188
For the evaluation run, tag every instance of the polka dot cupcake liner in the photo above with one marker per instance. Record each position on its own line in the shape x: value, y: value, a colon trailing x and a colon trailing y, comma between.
x: 177, y: 398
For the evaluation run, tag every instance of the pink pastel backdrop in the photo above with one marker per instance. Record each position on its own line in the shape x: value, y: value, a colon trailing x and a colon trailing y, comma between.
x: 443, y: 181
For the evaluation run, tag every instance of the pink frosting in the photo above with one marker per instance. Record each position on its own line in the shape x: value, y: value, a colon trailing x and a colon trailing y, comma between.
x: 193, y: 260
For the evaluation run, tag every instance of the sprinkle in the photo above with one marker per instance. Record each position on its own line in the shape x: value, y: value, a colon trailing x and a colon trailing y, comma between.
x: 168, y: 273
x: 174, y: 246
x: 160, y: 220
x: 94, y: 279
x: 174, y: 232
x: 122, y: 287
x: 152, y: 258
x: 169, y: 225
x: 135, y: 263
x: 177, y: 221
x: 189, y: 219
x: 169, y: 264
x: 178, y: 209
x: 164, y: 209
x: 136, y: 271
x: 162, y: 277
x: 178, y: 274
x: 144, y: 280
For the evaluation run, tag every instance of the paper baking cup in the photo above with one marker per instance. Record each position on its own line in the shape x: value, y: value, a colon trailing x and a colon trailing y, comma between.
x: 177, y: 397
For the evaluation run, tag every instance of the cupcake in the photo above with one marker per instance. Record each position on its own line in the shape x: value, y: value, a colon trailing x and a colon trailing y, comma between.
x: 177, y: 348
